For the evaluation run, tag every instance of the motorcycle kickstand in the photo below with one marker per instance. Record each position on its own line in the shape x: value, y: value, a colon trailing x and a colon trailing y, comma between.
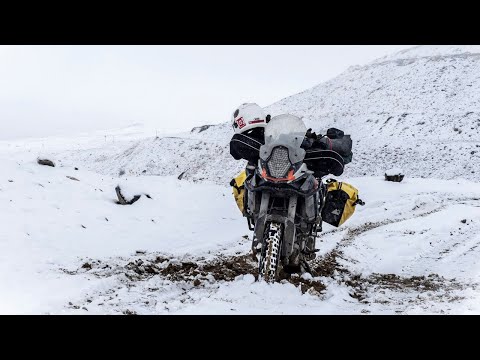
x: 305, y: 267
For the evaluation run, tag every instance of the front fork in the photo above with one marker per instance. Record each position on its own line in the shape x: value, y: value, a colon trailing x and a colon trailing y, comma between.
x: 289, y: 225
x: 258, y: 226
x: 259, y: 230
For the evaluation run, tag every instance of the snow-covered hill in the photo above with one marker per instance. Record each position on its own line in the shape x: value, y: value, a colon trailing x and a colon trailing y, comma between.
x: 418, y: 109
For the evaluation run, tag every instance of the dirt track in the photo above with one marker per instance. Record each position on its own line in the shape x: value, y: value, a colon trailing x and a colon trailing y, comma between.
x: 199, y: 273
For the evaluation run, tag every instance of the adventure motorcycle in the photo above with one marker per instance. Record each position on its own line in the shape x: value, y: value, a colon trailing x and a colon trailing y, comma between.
x: 283, y: 201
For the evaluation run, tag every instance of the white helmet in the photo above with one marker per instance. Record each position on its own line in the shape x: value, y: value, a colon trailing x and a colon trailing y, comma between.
x: 247, y: 117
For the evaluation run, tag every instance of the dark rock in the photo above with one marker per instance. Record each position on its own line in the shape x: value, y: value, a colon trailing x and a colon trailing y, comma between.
x: 129, y: 312
x: 394, y: 178
x: 199, y: 129
x: 181, y: 175
x: 122, y: 200
x: 46, y: 162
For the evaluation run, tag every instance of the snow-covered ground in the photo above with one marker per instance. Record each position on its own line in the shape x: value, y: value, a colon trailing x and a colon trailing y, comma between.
x: 66, y: 247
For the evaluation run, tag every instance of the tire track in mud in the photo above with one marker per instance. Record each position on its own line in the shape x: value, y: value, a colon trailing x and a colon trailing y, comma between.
x: 326, y: 265
x: 147, y: 266
x: 157, y: 275
x: 196, y: 271
x: 365, y: 288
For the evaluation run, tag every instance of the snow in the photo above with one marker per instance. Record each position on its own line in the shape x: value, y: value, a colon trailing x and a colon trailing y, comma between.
x: 130, y: 188
x: 66, y: 247
x: 394, y: 171
x: 432, y: 51
x: 53, y: 222
x: 57, y: 225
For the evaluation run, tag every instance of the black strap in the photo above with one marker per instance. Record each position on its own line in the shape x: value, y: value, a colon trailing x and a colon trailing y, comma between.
x: 234, y: 184
x: 359, y: 202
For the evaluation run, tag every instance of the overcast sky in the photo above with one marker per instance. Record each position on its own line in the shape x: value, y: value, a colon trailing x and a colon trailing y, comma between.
x: 69, y: 89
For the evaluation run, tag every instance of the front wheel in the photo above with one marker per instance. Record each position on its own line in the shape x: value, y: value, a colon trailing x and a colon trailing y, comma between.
x: 270, y: 255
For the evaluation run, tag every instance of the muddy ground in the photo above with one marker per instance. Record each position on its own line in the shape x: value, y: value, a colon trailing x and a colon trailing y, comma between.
x: 198, y: 273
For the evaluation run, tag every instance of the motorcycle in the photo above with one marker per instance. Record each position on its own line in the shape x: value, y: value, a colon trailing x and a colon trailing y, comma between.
x: 284, y: 202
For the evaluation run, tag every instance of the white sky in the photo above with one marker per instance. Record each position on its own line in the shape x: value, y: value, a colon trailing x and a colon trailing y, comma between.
x: 51, y: 90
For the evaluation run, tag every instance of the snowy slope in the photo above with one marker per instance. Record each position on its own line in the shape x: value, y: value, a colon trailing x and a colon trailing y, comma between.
x: 418, y: 109
x: 432, y: 51
x: 51, y: 222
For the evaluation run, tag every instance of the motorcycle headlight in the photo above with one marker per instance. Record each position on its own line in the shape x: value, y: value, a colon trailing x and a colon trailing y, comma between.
x: 279, y: 163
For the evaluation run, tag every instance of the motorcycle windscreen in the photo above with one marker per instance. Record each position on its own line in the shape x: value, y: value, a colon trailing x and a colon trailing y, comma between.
x: 287, y: 131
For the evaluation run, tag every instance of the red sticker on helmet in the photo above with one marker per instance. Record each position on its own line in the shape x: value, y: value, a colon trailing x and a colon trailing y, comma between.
x: 241, y: 123
x: 256, y: 121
